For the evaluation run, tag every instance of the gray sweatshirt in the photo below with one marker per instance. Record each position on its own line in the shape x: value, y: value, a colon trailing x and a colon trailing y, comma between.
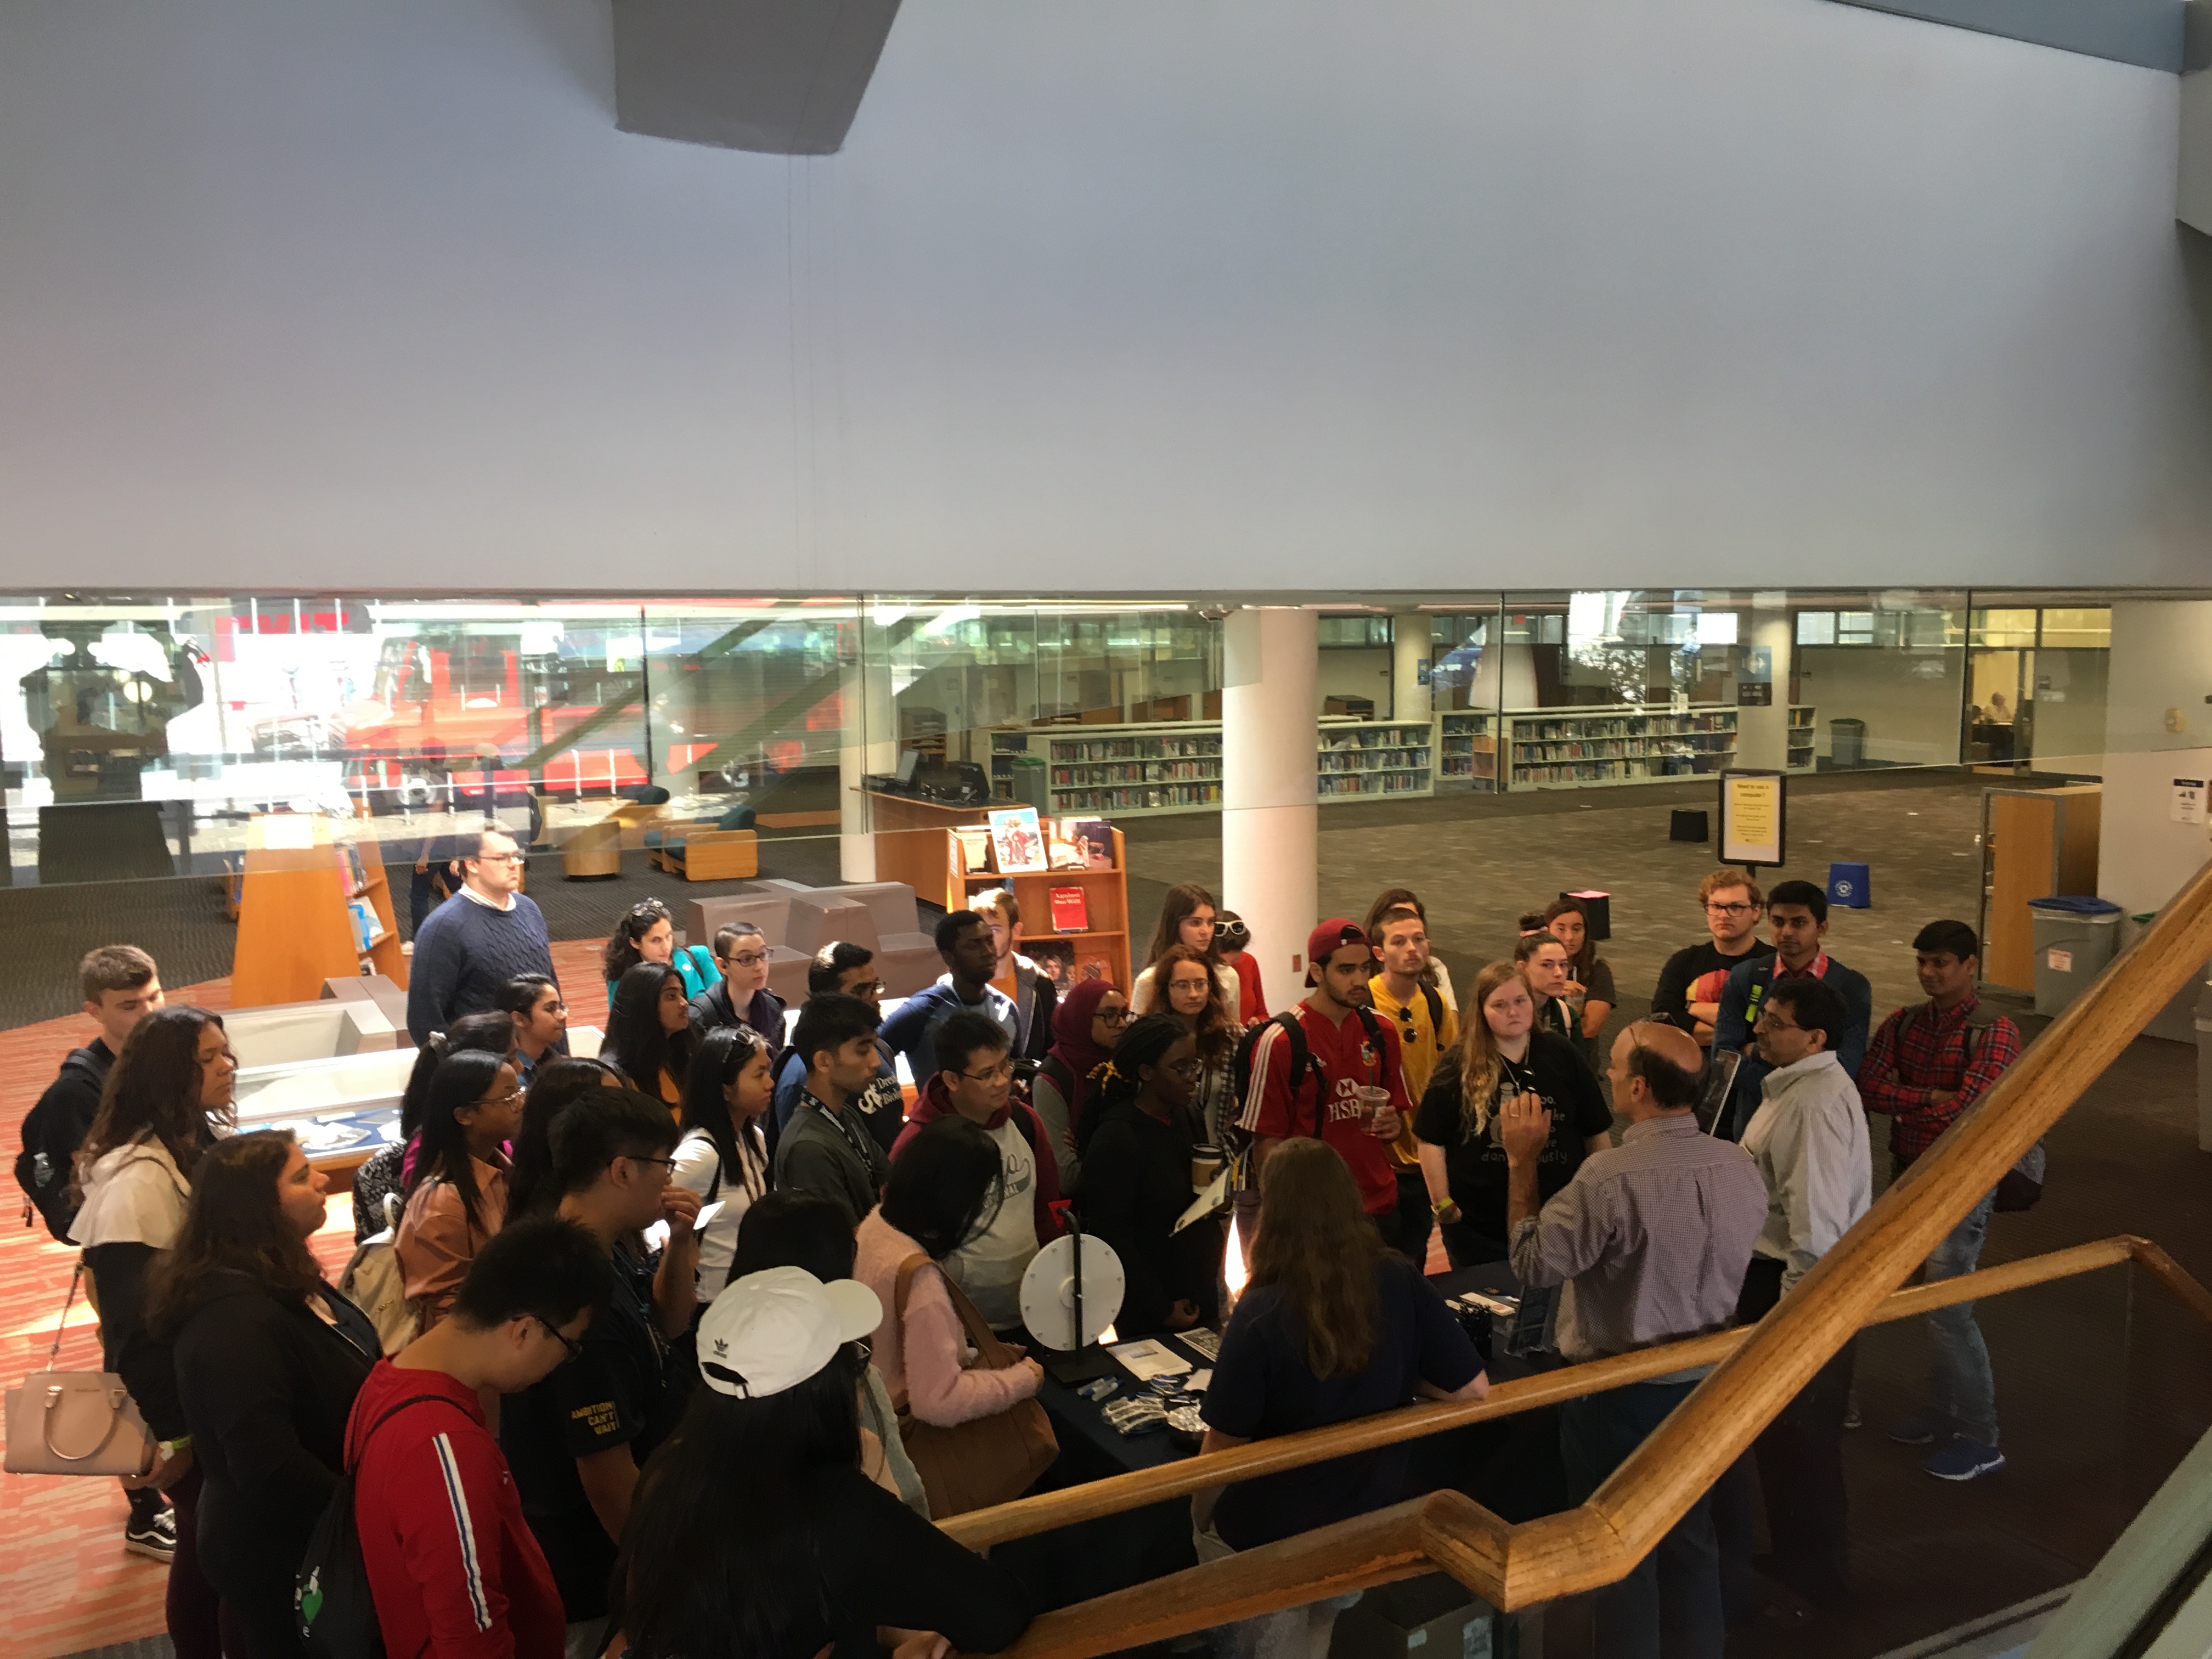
x: 1808, y: 1137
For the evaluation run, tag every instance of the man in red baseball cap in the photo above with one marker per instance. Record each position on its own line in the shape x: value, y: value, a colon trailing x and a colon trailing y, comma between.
x: 1330, y: 1069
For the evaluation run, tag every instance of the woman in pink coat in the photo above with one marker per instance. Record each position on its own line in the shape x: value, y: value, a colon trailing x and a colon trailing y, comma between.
x: 943, y: 1185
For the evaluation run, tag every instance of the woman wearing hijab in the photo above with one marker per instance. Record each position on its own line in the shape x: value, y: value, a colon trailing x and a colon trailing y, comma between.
x: 1085, y: 1027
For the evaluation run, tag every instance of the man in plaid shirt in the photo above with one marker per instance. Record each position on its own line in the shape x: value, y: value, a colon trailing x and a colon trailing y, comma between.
x: 1925, y: 1066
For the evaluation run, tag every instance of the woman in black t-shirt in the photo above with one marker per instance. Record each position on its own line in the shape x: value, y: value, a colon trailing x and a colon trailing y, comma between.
x: 1462, y: 1158
x: 1333, y: 1325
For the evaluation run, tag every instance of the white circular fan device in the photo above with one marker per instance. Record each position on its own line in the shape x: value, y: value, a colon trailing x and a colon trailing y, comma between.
x: 1072, y: 1292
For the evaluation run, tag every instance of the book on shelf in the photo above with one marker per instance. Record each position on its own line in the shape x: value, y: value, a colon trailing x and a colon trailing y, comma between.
x: 1070, y: 912
x: 1055, y: 960
x: 1093, y: 964
x: 1018, y: 843
x: 973, y: 840
x: 1093, y: 837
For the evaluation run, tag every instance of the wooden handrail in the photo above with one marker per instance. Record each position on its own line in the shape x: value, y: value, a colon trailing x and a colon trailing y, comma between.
x: 1517, y: 1567
x: 1453, y: 1532
x: 1024, y: 1516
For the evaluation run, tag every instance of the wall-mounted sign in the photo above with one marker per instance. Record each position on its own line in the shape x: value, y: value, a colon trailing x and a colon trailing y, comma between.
x: 2188, y: 803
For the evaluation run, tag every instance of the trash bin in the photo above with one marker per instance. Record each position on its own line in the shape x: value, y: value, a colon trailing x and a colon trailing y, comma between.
x: 1846, y: 743
x: 2074, y: 937
x: 1850, y: 886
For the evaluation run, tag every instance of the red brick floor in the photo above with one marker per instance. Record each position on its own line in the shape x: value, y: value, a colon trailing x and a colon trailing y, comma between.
x: 64, y: 1580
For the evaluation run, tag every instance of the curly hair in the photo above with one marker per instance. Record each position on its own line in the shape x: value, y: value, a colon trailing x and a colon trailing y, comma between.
x: 1120, y: 1076
x: 1216, y: 1028
x: 620, y: 954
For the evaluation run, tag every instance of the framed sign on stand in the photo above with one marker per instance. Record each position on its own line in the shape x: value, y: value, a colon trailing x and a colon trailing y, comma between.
x: 1754, y: 818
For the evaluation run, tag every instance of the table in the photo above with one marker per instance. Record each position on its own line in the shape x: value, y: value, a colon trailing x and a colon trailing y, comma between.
x: 1510, y: 1467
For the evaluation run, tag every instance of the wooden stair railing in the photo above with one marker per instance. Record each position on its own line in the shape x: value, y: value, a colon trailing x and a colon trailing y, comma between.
x: 1514, y: 1566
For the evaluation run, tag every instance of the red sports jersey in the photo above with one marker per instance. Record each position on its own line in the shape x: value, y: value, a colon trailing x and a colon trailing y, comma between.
x: 1344, y: 1059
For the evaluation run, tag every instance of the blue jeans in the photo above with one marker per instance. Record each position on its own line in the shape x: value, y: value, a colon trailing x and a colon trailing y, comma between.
x: 1959, y: 1375
x: 1669, y: 1607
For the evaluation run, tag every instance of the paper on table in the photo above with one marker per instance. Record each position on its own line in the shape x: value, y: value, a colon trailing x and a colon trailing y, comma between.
x: 1213, y: 1198
x: 1148, y: 1359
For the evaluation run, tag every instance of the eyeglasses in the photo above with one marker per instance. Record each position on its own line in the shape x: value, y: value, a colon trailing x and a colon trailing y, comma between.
x: 668, y: 1163
x: 874, y: 988
x: 506, y: 1099
x: 1769, y: 1023
x: 1002, y: 1073
x: 1731, y: 910
x: 502, y: 858
x: 748, y: 959
x: 574, y: 1350
x: 1188, y: 1070
x: 1113, y: 1016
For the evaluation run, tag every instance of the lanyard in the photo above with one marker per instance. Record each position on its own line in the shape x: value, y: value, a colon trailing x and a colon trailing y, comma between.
x: 845, y: 1129
x: 1817, y: 970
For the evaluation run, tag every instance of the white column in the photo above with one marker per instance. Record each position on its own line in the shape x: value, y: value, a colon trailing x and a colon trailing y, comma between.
x: 870, y: 744
x: 1410, y: 646
x: 1269, y: 737
x: 1762, y: 733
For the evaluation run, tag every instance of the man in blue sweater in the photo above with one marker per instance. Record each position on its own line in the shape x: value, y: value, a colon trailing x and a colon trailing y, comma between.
x: 471, y: 946
x: 964, y: 943
x: 1797, y: 915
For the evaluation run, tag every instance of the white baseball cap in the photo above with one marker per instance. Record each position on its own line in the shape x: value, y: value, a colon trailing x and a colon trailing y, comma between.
x: 772, y: 1330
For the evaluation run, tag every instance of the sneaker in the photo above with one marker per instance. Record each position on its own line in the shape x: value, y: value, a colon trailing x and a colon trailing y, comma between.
x: 1963, y: 1459
x: 1851, y: 1417
x: 1926, y: 1427
x: 156, y: 1540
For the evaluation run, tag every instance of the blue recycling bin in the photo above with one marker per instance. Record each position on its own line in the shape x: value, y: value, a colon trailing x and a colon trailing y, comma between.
x: 1850, y: 886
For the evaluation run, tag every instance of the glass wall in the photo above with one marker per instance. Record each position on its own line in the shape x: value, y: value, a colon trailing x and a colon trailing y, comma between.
x: 196, y: 712
x: 173, y: 721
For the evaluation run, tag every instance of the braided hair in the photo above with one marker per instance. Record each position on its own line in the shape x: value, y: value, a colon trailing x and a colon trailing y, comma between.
x: 1119, y: 1077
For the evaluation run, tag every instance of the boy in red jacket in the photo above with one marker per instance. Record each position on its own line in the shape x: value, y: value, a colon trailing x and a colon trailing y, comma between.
x: 452, y: 1564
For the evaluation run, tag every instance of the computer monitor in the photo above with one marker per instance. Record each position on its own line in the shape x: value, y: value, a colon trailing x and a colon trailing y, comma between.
x: 908, y: 760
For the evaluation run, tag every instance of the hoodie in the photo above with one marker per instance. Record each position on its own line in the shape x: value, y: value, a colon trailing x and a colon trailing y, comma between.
x: 989, y: 1267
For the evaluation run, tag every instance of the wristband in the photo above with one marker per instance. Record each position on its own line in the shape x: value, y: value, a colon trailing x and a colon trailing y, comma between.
x: 1439, y: 1205
x: 169, y: 1449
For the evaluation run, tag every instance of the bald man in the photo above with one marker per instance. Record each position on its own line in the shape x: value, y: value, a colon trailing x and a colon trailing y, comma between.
x: 1650, y: 1239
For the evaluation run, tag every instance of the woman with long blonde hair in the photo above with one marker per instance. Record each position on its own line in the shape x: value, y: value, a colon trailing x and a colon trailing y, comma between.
x: 1334, y: 1325
x: 1500, y: 1054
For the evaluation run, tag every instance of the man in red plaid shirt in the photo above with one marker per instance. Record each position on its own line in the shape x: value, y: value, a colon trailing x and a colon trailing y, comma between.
x: 1926, y: 1065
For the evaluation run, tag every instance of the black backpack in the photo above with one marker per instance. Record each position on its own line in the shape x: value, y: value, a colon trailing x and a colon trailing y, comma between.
x: 51, y: 1140
x: 332, y: 1606
x: 1301, y: 1057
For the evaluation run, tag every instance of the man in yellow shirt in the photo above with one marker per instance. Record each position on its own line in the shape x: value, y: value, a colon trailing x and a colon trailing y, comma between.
x: 1427, y: 1028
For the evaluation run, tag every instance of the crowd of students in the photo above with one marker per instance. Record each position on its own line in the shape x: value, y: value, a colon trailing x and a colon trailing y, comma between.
x: 719, y: 1297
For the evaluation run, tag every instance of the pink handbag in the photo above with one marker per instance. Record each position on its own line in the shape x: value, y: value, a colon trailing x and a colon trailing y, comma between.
x: 75, y: 1422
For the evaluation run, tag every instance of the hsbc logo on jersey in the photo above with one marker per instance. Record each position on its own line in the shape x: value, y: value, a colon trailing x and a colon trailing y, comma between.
x: 1346, y: 1105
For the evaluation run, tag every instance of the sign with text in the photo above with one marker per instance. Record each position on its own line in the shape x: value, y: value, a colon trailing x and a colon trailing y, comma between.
x: 1754, y: 818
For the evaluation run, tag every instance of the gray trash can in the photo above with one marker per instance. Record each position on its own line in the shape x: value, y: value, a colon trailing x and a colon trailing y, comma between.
x: 2074, y: 937
x: 1846, y: 742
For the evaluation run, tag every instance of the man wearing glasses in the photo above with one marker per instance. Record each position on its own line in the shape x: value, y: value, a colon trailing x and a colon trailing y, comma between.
x: 1689, y: 992
x: 976, y: 1082
x: 843, y: 968
x: 1808, y: 1137
x: 469, y: 948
